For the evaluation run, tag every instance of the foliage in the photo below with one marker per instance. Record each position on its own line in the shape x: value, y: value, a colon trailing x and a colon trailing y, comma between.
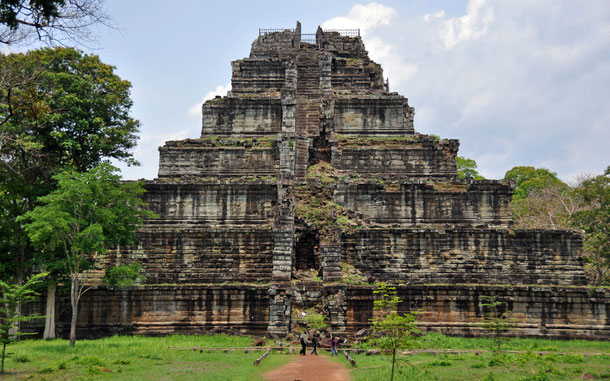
x: 594, y: 219
x: 496, y: 320
x: 529, y: 179
x: 123, y: 275
x: 87, y: 213
x: 467, y: 168
x: 23, y: 22
x: 59, y: 108
x: 391, y: 330
x: 315, y: 320
x: 13, y: 295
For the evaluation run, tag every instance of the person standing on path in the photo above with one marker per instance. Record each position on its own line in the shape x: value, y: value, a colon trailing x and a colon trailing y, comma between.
x: 314, y: 343
x: 333, y: 346
x: 303, y: 338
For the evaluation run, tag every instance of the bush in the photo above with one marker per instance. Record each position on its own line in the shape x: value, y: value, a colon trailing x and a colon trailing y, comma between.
x: 123, y: 275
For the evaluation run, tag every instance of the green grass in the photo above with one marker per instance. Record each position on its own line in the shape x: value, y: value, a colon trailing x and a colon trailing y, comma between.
x: 528, y: 365
x: 137, y: 358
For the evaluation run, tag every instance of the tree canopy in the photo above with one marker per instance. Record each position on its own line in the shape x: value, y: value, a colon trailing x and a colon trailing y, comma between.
x: 87, y: 213
x: 467, y: 168
x: 529, y: 179
x: 50, y: 21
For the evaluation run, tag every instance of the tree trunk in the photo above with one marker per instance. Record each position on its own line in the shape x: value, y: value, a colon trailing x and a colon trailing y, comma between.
x: 74, y: 301
x: 49, y: 322
x: 393, y: 361
x: 3, y: 354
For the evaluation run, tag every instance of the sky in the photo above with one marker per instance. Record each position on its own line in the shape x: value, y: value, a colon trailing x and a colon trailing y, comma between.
x: 518, y: 82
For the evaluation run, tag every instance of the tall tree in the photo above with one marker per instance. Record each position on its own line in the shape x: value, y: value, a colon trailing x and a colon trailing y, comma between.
x: 530, y: 179
x: 59, y: 108
x: 52, y: 22
x: 86, y: 214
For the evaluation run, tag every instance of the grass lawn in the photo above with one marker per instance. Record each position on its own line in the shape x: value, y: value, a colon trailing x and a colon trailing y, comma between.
x: 529, y: 365
x: 137, y: 358
x: 149, y: 358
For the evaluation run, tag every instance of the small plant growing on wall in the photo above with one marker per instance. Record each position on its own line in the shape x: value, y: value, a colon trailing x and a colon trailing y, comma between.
x: 392, y: 331
x: 315, y: 320
x: 497, y: 319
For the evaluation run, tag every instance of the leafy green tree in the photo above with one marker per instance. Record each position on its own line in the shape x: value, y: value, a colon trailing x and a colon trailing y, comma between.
x: 14, y: 295
x: 467, y: 168
x: 59, y: 108
x: 594, y: 219
x: 123, y: 275
x: 86, y: 214
x: 315, y: 320
x: 529, y: 179
x: 392, y: 330
x: 496, y: 319
x: 50, y: 21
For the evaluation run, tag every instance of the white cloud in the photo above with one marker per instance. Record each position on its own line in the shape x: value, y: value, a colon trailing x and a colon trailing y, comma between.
x: 474, y: 24
x: 522, y: 83
x: 219, y: 90
x: 366, y: 17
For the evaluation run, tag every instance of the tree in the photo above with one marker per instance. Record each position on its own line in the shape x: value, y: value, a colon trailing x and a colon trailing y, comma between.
x: 86, y: 214
x: 123, y: 275
x: 315, y: 320
x: 391, y: 330
x: 496, y: 319
x: 529, y: 179
x: 59, y: 108
x: 467, y: 168
x: 594, y: 219
x: 10, y: 316
x: 548, y: 208
x: 52, y: 22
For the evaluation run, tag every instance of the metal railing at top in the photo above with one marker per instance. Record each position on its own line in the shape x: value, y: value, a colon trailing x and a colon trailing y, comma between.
x: 309, y: 38
x: 343, y: 32
x: 262, y: 32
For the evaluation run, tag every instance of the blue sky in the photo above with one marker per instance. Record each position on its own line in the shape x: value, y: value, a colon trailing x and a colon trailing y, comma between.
x: 519, y: 82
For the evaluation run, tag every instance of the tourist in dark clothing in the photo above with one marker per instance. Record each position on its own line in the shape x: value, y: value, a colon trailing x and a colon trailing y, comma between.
x: 333, y: 346
x: 314, y: 343
x: 303, y: 338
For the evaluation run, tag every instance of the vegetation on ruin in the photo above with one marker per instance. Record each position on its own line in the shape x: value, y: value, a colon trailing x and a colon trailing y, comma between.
x: 542, y: 201
x: 265, y: 141
x: 467, y: 168
x: 315, y: 205
x: 374, y: 141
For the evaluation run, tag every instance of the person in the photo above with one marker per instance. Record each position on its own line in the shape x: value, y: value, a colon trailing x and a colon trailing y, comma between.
x: 333, y: 346
x: 303, y: 338
x: 314, y: 343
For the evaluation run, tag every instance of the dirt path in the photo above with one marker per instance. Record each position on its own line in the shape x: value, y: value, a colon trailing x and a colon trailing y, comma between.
x: 309, y: 368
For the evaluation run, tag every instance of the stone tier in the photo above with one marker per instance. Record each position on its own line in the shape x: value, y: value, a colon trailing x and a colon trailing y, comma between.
x: 356, y: 75
x: 381, y: 114
x: 421, y: 157
x: 253, y: 115
x: 550, y: 312
x: 410, y: 203
x: 212, y: 203
x: 188, y: 254
x: 252, y: 75
x: 478, y: 256
x: 194, y: 158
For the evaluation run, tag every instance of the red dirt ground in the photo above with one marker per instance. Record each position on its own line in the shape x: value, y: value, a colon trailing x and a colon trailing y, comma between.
x: 309, y: 368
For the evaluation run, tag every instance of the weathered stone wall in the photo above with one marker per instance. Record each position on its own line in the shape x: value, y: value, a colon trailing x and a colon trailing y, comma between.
x: 480, y: 256
x: 251, y: 75
x: 552, y: 312
x: 423, y: 158
x: 195, y: 160
x: 184, y: 254
x: 247, y: 116
x: 212, y: 203
x: 355, y: 75
x: 419, y: 203
x: 373, y: 115
x: 163, y: 310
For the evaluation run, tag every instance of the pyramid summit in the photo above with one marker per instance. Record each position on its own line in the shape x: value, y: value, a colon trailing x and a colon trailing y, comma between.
x: 309, y: 184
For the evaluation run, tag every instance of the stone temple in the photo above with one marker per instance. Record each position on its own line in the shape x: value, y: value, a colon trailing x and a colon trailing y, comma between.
x: 309, y: 184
